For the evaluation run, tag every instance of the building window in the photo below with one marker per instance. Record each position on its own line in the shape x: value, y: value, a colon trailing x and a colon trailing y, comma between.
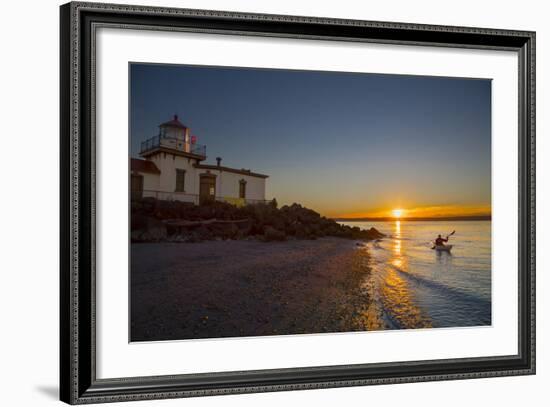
x: 180, y: 180
x: 242, y: 189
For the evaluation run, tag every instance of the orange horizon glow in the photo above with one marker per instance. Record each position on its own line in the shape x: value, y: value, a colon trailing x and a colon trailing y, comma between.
x: 435, y: 211
x: 397, y: 213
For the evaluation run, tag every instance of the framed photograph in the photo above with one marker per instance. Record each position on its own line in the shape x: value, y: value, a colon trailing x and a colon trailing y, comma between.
x: 255, y: 203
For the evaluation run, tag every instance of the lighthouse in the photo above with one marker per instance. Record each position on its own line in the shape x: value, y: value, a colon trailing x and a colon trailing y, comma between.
x: 171, y: 168
x: 174, y: 134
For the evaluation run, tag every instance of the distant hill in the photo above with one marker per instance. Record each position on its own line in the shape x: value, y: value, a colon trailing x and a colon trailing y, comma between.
x: 433, y: 219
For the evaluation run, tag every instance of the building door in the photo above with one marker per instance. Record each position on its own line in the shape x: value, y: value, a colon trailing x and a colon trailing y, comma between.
x: 242, y: 189
x: 207, y: 191
x: 136, y: 186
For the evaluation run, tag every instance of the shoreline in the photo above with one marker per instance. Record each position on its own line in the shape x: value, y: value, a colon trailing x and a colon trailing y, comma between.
x: 237, y: 288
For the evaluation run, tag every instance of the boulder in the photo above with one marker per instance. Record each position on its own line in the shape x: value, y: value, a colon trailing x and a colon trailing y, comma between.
x: 301, y: 231
x: 148, y: 204
x: 202, y: 233
x: 272, y: 234
x: 138, y: 221
x: 373, y: 233
x: 225, y: 230
x: 155, y: 229
x: 135, y: 235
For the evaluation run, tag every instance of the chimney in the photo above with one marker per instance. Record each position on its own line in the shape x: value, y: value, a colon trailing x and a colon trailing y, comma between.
x: 219, y: 160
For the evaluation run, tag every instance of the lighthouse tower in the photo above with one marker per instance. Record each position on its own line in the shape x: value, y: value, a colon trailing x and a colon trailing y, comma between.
x: 174, y: 153
x: 174, y: 137
x: 174, y: 134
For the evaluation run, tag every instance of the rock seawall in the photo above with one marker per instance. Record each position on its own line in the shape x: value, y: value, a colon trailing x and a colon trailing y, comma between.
x: 174, y: 221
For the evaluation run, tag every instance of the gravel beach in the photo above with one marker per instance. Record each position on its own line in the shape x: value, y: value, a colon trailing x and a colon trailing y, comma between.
x: 247, y: 288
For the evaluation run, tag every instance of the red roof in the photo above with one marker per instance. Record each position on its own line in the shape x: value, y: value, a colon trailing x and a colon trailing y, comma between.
x: 174, y: 123
x: 144, y: 166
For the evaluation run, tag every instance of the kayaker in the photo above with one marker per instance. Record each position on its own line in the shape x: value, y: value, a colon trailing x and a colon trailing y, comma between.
x: 439, y: 241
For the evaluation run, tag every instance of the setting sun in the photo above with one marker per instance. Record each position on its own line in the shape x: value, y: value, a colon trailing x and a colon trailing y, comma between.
x: 397, y: 213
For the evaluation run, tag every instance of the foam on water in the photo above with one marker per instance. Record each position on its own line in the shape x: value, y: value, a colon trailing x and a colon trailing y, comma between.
x: 416, y: 287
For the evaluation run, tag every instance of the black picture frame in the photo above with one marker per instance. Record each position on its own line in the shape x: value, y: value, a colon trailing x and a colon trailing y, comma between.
x: 78, y: 382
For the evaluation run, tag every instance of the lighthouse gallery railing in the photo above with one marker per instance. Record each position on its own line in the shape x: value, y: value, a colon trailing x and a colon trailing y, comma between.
x: 155, y: 142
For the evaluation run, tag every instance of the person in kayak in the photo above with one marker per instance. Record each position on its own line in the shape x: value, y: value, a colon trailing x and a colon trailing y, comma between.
x: 440, y: 241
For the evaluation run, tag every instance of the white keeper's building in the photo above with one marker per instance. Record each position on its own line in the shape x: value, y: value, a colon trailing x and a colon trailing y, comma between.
x: 172, y: 168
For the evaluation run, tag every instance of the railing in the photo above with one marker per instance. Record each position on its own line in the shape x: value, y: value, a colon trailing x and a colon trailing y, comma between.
x: 149, y: 144
x: 241, y: 201
x: 173, y: 143
x: 198, y: 149
x: 193, y: 198
x: 165, y: 196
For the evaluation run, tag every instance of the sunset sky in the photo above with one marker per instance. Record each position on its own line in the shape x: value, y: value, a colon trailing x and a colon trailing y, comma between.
x: 343, y: 144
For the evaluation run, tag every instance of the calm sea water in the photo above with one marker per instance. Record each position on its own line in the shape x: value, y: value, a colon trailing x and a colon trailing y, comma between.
x: 415, y: 286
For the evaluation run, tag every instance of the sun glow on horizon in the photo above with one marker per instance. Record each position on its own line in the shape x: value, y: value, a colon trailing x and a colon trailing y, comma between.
x: 429, y: 211
x: 397, y: 213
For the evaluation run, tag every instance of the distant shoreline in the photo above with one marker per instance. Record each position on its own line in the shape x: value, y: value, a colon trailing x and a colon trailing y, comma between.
x: 440, y: 219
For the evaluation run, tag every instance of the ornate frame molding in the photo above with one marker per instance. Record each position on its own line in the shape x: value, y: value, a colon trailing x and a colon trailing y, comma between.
x: 79, y: 21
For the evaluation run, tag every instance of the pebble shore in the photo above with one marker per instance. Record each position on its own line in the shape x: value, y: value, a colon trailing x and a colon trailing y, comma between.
x: 239, y: 288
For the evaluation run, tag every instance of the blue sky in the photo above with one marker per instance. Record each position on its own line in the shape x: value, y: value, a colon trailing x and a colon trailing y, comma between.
x: 340, y: 143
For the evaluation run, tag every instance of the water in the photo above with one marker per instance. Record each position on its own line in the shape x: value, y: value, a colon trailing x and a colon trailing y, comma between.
x: 415, y: 287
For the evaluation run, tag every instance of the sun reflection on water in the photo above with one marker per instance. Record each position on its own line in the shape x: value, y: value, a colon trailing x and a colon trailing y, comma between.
x: 397, y: 247
x: 396, y: 293
x: 397, y: 262
x: 397, y: 240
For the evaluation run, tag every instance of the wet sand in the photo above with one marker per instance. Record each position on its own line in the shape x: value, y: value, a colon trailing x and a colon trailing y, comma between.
x: 247, y: 288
